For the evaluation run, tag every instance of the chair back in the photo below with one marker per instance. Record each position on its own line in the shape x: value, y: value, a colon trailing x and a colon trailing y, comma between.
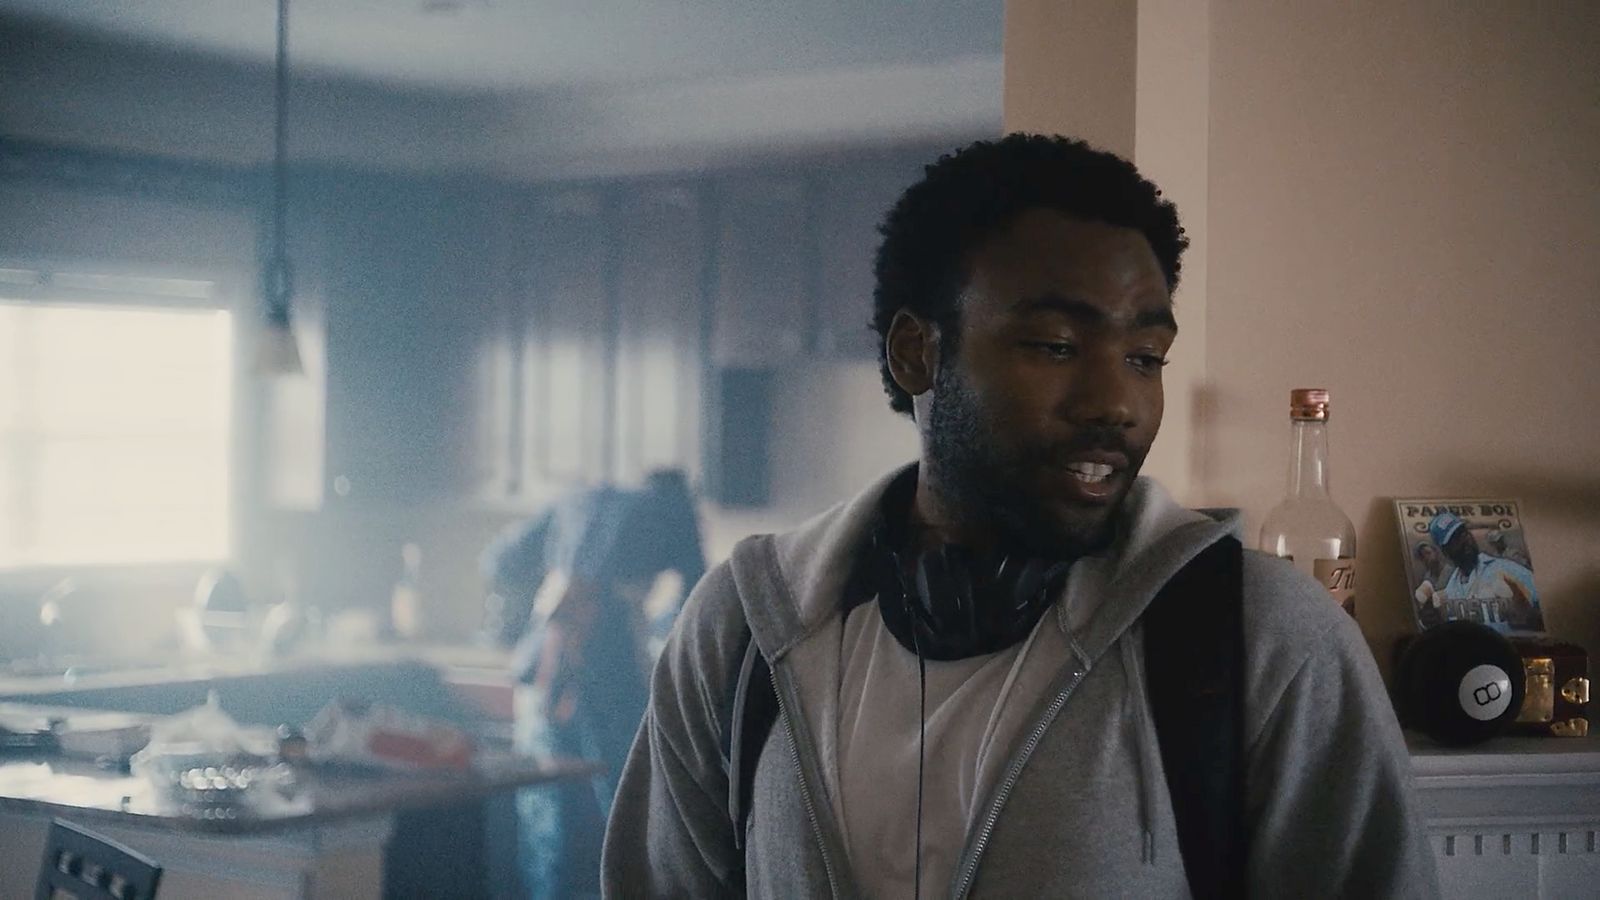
x: 81, y: 865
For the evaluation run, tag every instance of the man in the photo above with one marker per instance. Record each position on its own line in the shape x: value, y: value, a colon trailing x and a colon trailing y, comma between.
x: 1435, y: 572
x: 570, y: 588
x: 1500, y: 545
x: 1024, y: 308
x: 1497, y: 592
x: 1431, y: 610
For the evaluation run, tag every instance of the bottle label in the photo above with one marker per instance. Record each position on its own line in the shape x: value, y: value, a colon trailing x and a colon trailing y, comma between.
x: 1339, y: 577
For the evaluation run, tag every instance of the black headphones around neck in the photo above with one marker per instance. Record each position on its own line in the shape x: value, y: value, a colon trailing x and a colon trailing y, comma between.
x: 951, y: 603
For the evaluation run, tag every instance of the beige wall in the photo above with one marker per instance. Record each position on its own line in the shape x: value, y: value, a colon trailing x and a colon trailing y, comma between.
x: 1399, y: 202
x: 1171, y: 148
x: 1405, y: 208
x: 1076, y: 68
x: 1071, y: 64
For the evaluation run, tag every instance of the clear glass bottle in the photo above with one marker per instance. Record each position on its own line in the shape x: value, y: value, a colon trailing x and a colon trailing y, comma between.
x: 1308, y: 528
x: 405, y: 601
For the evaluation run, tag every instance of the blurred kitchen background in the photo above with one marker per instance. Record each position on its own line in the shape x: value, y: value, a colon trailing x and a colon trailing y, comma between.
x: 535, y: 246
x: 551, y: 244
x: 556, y: 244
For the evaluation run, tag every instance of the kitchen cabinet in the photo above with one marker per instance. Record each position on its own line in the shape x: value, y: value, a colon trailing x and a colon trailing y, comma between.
x: 590, y: 369
x: 659, y: 255
x: 404, y: 280
x: 618, y: 308
x: 568, y: 382
x: 853, y: 197
x: 762, y: 302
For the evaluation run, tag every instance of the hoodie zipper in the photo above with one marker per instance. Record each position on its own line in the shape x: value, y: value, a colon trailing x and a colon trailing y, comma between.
x: 1012, y: 775
x: 805, y: 790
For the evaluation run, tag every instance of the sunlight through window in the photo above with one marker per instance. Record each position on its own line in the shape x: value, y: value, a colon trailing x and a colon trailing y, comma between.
x: 114, y: 434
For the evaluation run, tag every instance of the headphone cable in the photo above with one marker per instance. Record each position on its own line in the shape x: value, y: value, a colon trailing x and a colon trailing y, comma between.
x: 922, y: 715
x: 922, y: 745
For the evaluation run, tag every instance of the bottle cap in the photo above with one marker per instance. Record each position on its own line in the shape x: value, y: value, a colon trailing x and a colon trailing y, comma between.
x: 1308, y: 404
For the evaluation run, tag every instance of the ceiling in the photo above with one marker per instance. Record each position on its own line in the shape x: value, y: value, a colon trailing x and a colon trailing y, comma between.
x: 491, y: 46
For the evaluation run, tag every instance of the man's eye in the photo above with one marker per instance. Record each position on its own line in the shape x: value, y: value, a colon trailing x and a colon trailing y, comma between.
x: 1148, y: 361
x: 1054, y: 349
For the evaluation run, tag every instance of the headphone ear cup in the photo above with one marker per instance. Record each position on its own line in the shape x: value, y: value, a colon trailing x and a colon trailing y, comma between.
x: 949, y: 611
x: 945, y: 586
x: 977, y: 604
x: 958, y: 605
x: 1027, y: 580
x: 1460, y: 683
x: 932, y: 581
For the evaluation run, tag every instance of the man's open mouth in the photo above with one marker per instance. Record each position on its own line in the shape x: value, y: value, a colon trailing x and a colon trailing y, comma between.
x: 1089, y: 472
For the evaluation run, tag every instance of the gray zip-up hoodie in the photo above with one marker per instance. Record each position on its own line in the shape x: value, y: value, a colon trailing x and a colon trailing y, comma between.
x: 1082, y: 809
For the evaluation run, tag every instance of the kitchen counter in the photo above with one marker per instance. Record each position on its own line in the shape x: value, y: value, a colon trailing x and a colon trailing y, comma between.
x: 333, y: 838
x: 339, y: 833
x: 77, y: 789
x: 293, y: 690
x: 33, y: 679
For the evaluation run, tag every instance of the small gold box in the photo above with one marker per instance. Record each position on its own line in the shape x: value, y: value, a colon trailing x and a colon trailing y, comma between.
x: 1557, y: 699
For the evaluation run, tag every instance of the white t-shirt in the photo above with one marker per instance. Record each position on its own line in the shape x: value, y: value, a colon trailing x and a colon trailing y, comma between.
x: 975, y: 709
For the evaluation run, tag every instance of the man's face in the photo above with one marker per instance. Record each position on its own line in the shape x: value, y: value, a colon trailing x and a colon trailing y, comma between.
x: 1430, y: 557
x: 1462, y: 548
x: 1037, y: 425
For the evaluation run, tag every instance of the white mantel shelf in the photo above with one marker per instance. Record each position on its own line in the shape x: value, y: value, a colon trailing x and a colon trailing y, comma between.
x: 1516, y: 816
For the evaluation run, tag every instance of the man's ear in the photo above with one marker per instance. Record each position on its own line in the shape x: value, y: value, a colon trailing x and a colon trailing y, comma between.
x: 912, y: 348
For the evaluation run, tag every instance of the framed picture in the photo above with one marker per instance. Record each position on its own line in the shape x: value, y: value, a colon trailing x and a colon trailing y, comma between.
x: 1468, y: 559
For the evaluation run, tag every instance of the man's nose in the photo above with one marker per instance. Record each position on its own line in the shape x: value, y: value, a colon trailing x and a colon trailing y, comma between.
x: 1102, y: 392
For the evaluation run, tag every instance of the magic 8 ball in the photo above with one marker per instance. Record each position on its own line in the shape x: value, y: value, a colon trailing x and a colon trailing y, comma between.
x: 1459, y: 683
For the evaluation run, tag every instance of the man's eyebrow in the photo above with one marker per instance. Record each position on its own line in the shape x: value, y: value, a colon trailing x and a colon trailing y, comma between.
x: 1071, y: 307
x: 1156, y: 318
x: 1084, y: 311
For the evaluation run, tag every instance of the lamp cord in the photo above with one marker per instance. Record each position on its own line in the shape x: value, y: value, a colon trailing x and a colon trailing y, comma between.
x: 279, y: 279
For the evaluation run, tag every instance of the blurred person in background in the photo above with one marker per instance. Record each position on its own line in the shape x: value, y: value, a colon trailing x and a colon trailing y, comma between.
x: 572, y: 590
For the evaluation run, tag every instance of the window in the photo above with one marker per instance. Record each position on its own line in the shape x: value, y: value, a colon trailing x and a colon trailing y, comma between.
x: 115, y: 398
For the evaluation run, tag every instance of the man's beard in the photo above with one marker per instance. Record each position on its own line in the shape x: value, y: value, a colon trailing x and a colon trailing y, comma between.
x: 986, y: 486
x: 1466, y: 560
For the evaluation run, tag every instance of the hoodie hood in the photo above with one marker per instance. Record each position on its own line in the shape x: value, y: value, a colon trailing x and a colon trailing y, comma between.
x: 1075, y: 808
x: 1103, y: 596
x: 793, y: 602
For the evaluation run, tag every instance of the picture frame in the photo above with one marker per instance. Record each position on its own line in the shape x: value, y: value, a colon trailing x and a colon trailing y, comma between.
x: 1468, y: 559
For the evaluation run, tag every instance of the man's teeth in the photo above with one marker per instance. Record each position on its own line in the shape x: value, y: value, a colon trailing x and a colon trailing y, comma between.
x: 1090, y: 472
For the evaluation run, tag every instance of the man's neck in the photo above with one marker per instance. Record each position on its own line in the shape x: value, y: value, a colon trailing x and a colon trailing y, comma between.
x: 932, y: 522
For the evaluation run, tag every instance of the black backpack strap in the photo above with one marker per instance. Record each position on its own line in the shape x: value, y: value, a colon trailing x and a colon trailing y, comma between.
x: 753, y: 706
x: 1194, y: 658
